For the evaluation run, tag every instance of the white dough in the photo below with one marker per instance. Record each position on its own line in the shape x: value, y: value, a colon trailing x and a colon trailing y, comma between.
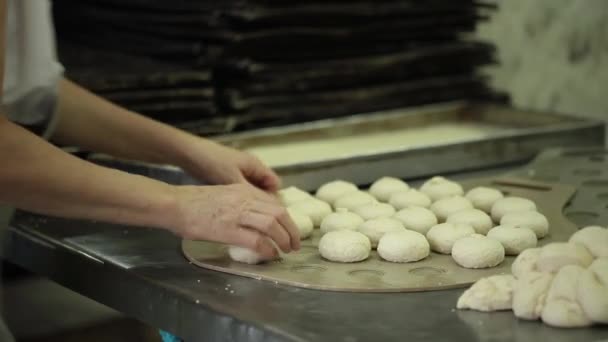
x: 527, y: 219
x: 384, y: 187
x: 344, y: 246
x: 488, y: 294
x: 376, y: 228
x: 442, y: 236
x: 403, y: 246
x: 525, y: 262
x: 292, y: 195
x: 562, y: 308
x: 409, y: 198
x: 509, y: 204
x: 418, y: 219
x: 483, y: 198
x: 330, y: 192
x: 514, y: 240
x: 450, y: 205
x: 595, y: 238
x: 530, y: 294
x: 374, y: 210
x: 354, y: 199
x: 302, y: 221
x: 438, y: 187
x: 341, y: 219
x: 592, y: 291
x: 245, y: 255
x: 313, y: 208
x: 477, y: 251
x: 479, y: 220
x: 556, y: 255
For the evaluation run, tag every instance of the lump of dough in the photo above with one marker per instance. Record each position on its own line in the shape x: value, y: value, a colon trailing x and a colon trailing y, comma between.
x: 525, y: 262
x: 450, y: 205
x: 514, y: 240
x: 509, y: 204
x: 403, y: 246
x: 376, y: 228
x: 477, y: 251
x: 555, y: 255
x: 341, y: 219
x: 530, y: 293
x: 438, y: 187
x: 479, y: 220
x: 354, y: 199
x: 374, y: 210
x: 442, y: 236
x: 302, y: 221
x: 562, y: 308
x: 488, y: 294
x: 592, y: 291
x: 533, y: 220
x: 344, y: 246
x: 409, y: 198
x: 418, y: 219
x: 292, y: 195
x: 245, y: 255
x: 483, y: 198
x: 313, y: 208
x: 384, y: 187
x: 330, y: 192
x: 595, y: 238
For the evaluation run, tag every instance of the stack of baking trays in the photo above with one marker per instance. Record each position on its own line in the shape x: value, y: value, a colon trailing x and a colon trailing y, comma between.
x: 275, y: 62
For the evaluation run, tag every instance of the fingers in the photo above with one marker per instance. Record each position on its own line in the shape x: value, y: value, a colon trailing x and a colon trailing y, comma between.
x: 280, y: 214
x: 261, y: 175
x: 254, y: 240
x: 269, y: 226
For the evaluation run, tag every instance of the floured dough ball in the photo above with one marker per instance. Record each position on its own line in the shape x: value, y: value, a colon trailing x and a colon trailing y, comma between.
x: 409, y: 198
x: 341, y: 219
x: 488, y: 294
x: 293, y: 195
x: 595, y: 238
x: 592, y: 291
x: 374, y: 210
x: 510, y: 204
x: 562, y: 308
x: 483, y: 198
x: 479, y: 220
x: 525, y: 262
x: 403, y: 246
x: 330, y: 192
x: 313, y: 208
x: 376, y: 228
x: 417, y: 219
x: 245, y: 255
x: 354, y: 199
x: 533, y: 220
x: 556, y: 255
x: 438, y: 187
x: 450, y: 205
x: 514, y: 240
x: 344, y: 246
x: 442, y: 236
x: 530, y: 293
x: 477, y: 251
x: 384, y: 187
x: 302, y: 221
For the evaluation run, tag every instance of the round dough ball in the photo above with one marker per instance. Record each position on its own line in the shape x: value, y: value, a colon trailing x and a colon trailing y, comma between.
x: 592, y: 291
x: 313, y: 208
x: 483, y: 198
x: 341, y: 219
x: 245, y: 255
x: 409, y: 198
x: 376, y: 228
x: 556, y: 255
x: 403, y: 246
x: 488, y: 294
x: 354, y: 199
x: 374, y: 210
x: 450, y: 205
x: 595, y: 238
x: 302, y: 221
x: 330, y: 192
x: 417, y: 219
x: 384, y: 187
x: 479, y: 220
x: 525, y: 262
x: 509, y: 204
x: 533, y: 220
x: 529, y: 294
x: 478, y: 252
x: 292, y: 195
x: 438, y: 187
x: 514, y: 240
x: 344, y: 246
x: 562, y: 308
x: 442, y: 236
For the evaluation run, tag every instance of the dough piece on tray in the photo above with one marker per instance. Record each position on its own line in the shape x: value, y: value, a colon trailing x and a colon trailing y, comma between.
x: 409, y: 198
x: 530, y: 294
x: 354, y: 199
x: 562, y: 308
x: 525, y: 262
x: 450, y: 205
x: 555, y: 255
x: 403, y: 246
x: 488, y: 294
x: 592, y: 291
x: 374, y: 210
x: 439, y: 187
x: 302, y: 221
x: 514, y: 240
x: 483, y: 198
x: 330, y: 192
x: 418, y: 219
x: 384, y: 187
x: 479, y: 220
x: 376, y: 228
x: 595, y: 238
x: 344, y: 246
x: 293, y: 195
x: 533, y: 220
x: 313, y: 208
x: 506, y: 205
x: 478, y: 251
x: 341, y: 219
x: 443, y: 236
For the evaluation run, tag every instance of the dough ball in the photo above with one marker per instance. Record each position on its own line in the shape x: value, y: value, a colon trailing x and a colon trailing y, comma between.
x: 556, y: 255
x: 509, y: 204
x: 478, y: 252
x: 341, y: 219
x: 479, y: 220
x: 330, y: 192
x: 417, y: 219
x: 525, y: 262
x: 313, y: 208
x: 303, y: 222
x: 514, y: 240
x: 562, y: 308
x: 438, y: 187
x: 488, y: 294
x: 450, y: 205
x: 354, y: 199
x: 245, y: 255
x: 483, y: 198
x: 595, y: 238
x: 344, y: 246
x: 384, y: 187
x: 376, y: 228
x: 442, y: 236
x: 530, y: 293
x: 592, y: 291
x: 292, y: 195
x: 409, y: 198
x: 403, y: 246
x: 533, y: 220
x: 374, y: 210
